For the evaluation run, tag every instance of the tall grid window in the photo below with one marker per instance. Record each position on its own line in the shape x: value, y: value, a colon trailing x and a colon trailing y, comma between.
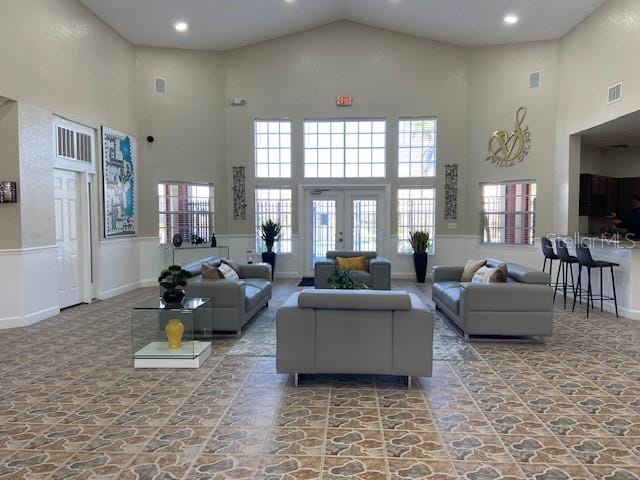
x: 365, y: 225
x: 344, y: 148
x: 273, y: 148
x: 417, y: 147
x: 508, y: 213
x: 274, y: 204
x: 186, y: 209
x: 416, y: 211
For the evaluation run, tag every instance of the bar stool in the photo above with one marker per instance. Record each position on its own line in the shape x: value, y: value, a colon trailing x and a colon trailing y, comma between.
x: 586, y: 260
x: 567, y: 261
x: 549, y: 254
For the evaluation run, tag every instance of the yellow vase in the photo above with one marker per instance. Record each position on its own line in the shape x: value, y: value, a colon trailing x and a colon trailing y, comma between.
x: 174, y: 331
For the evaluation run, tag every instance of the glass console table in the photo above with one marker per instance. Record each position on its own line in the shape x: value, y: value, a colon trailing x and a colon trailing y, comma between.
x: 149, y: 340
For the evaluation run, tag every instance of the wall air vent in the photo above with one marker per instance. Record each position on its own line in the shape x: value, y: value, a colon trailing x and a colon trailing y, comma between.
x: 161, y: 85
x: 534, y: 79
x: 615, y: 93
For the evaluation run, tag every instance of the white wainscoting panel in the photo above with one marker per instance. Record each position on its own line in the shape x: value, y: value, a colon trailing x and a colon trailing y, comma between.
x: 119, y: 266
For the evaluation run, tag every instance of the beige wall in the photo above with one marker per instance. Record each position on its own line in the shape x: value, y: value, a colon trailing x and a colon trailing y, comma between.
x: 10, y: 225
x: 596, y: 54
x: 388, y: 74
x: 498, y: 85
x: 188, y: 124
x: 610, y: 162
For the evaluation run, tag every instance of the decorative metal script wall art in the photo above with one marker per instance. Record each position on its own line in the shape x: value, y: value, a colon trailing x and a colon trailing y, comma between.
x: 451, y: 192
x: 507, y: 149
x: 239, y: 203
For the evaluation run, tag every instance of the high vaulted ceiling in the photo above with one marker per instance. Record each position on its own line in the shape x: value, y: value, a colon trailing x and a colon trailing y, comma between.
x: 227, y: 24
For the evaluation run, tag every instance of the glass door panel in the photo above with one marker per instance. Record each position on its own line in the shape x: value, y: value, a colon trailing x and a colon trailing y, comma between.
x: 323, y: 225
x: 365, y: 224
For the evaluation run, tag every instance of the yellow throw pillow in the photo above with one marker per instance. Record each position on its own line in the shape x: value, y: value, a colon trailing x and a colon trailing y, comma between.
x: 352, y: 263
x: 470, y: 269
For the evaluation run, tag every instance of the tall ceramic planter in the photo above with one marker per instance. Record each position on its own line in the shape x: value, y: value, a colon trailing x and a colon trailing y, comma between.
x: 270, y: 258
x: 420, y: 263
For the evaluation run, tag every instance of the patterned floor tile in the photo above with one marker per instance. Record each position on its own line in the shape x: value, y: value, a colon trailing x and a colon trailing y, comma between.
x: 555, y: 472
x: 354, y: 443
x: 283, y: 467
x: 67, y: 438
x: 169, y: 466
x: 125, y: 439
x: 308, y: 397
x: 294, y: 441
x: 516, y: 424
x: 407, y: 419
x: 354, y: 398
x: 401, y: 469
x: 528, y: 449
x: 488, y: 471
x: 476, y: 448
x: 614, y: 472
x: 348, y: 468
x: 573, y: 425
x: 92, y: 465
x: 219, y: 467
x: 15, y: 436
x: 354, y: 418
x: 419, y: 445
x: 461, y: 422
x: 177, y: 439
x: 302, y: 416
x: 600, y: 451
x: 32, y: 464
x: 235, y: 441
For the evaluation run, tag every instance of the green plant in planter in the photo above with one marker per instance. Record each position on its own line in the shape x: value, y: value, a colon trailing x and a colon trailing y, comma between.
x: 341, y: 279
x: 270, y: 233
x: 420, y: 241
x: 173, y: 279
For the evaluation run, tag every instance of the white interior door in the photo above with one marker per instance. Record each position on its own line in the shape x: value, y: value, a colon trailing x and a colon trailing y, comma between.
x: 342, y: 219
x: 68, y: 247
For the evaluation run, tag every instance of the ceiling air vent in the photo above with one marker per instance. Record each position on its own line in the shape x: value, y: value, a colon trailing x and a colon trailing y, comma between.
x: 615, y: 93
x: 534, y: 79
x: 161, y: 86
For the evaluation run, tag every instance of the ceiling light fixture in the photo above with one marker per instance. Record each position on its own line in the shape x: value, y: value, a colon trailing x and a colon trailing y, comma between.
x: 511, y: 19
x: 290, y: 1
x: 181, y: 27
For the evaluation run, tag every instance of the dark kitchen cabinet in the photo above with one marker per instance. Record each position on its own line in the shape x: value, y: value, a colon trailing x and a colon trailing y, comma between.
x: 612, y: 195
x: 585, y: 194
x: 627, y: 188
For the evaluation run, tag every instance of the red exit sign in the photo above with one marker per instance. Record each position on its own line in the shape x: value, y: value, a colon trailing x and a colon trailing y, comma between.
x: 343, y: 100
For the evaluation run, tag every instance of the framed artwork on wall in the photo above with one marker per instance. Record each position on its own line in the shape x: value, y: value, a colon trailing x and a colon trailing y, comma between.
x: 119, y: 157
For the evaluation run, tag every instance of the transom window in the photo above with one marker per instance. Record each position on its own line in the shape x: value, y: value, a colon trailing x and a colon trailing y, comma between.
x: 417, y: 147
x: 508, y: 213
x: 274, y: 204
x: 185, y: 209
x: 416, y: 211
x: 344, y: 148
x: 272, y: 148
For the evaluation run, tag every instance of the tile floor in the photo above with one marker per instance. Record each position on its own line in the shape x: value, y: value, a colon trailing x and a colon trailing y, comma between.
x: 72, y: 407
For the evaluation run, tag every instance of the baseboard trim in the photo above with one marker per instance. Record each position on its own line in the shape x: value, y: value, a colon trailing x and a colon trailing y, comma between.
x: 35, y: 317
x: 114, y: 292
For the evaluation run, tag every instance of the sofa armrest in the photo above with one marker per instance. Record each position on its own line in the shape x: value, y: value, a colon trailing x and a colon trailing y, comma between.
x: 223, y: 293
x: 256, y: 270
x: 505, y: 297
x: 441, y: 273
x: 322, y: 270
x: 380, y: 269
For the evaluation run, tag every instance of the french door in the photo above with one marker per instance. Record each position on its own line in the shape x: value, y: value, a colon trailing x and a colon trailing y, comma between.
x: 68, y: 245
x: 342, y: 219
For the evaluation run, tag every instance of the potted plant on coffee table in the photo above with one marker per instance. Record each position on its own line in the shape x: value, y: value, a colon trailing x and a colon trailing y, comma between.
x: 420, y: 242
x: 270, y: 233
x: 173, y: 280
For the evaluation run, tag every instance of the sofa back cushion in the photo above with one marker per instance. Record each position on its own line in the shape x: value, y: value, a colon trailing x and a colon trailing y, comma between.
x: 352, y: 263
x: 350, y: 253
x: 195, y: 266
x: 471, y: 268
x: 521, y: 273
x: 354, y: 300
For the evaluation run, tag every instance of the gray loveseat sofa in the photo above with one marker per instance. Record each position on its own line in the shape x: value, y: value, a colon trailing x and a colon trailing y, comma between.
x: 521, y: 307
x: 233, y: 302
x: 354, y: 331
x: 377, y: 275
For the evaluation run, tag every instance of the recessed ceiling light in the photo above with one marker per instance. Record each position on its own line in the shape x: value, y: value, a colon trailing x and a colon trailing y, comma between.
x: 511, y: 19
x: 290, y: 1
x: 181, y: 27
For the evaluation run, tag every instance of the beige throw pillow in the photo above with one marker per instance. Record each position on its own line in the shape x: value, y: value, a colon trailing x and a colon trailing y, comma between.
x: 470, y: 269
x: 210, y: 273
x: 227, y: 272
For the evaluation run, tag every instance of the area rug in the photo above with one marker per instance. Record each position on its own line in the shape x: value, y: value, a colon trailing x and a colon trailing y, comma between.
x: 307, y: 282
x: 259, y: 339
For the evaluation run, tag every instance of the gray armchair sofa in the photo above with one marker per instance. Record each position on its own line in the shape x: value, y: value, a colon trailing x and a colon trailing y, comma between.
x: 377, y: 275
x: 233, y: 302
x: 521, y: 307
x: 354, y: 331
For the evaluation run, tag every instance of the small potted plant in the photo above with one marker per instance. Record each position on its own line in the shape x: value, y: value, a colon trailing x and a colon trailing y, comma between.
x: 270, y: 233
x: 341, y: 279
x: 173, y: 280
x: 420, y: 242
